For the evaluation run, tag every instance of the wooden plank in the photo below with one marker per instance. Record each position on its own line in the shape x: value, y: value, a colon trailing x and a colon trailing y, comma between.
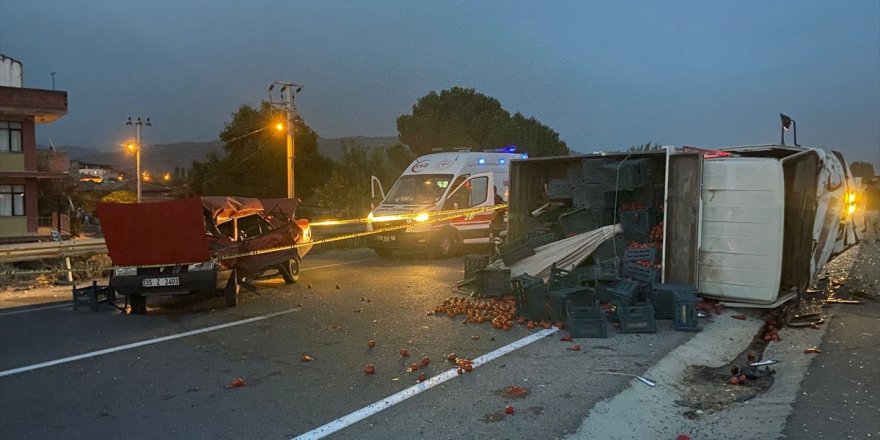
x: 682, y: 218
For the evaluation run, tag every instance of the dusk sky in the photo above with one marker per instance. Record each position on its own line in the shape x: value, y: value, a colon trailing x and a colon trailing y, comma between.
x: 604, y: 74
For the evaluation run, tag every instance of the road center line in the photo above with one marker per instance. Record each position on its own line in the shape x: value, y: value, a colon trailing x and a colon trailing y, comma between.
x: 35, y: 309
x: 373, y: 408
x: 336, y: 264
x: 142, y: 343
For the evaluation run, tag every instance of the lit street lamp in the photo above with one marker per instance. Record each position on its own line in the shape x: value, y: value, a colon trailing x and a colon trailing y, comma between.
x: 137, y: 149
x: 287, y: 91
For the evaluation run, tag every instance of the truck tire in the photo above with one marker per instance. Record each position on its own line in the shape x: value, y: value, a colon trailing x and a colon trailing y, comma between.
x: 289, y: 270
x: 138, y: 304
x: 445, y: 245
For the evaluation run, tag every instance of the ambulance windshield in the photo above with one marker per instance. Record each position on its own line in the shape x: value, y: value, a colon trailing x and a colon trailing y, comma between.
x: 419, y: 189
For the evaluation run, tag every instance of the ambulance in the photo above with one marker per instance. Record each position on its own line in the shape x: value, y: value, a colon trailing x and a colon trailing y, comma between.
x: 442, y: 182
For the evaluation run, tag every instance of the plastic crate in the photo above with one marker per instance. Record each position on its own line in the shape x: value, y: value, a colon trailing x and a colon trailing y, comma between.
x: 643, y: 274
x: 608, y: 270
x: 662, y: 296
x: 595, y: 171
x: 632, y: 255
x: 684, y: 317
x: 558, y: 189
x: 474, y: 263
x: 587, y: 322
x: 583, y: 220
x: 623, y: 292
x: 611, y: 248
x: 637, y: 319
x: 560, y: 300
x: 92, y: 296
x: 593, y: 195
x: 636, y: 224
x: 493, y: 282
x: 530, y: 295
x: 628, y: 175
x: 515, y: 251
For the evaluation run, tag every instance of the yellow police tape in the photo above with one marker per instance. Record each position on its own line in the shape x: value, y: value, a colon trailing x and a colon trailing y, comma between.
x: 434, y: 217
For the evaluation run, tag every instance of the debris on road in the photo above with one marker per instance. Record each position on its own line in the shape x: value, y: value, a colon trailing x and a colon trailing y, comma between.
x: 763, y: 363
x: 575, y: 347
x: 566, y: 338
x: 369, y: 369
x: 424, y: 362
x: 843, y: 301
x: 422, y: 377
x: 235, y: 383
x: 411, y: 368
x: 508, y: 410
x: 306, y: 358
x: 404, y: 352
x: 514, y: 392
x: 812, y: 350
x: 741, y: 317
x: 371, y: 343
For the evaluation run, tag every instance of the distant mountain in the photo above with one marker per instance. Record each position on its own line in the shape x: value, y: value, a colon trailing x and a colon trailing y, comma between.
x: 166, y: 157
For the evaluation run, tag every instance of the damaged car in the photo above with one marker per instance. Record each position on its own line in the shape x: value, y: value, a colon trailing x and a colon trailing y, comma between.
x: 206, y: 244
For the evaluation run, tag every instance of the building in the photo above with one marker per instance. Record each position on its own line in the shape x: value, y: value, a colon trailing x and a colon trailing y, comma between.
x: 21, y: 167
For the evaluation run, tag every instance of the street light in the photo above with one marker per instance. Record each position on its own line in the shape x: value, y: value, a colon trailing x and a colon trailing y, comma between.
x: 137, y: 149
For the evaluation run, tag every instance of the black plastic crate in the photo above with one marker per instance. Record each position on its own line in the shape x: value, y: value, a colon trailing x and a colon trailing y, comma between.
x: 583, y: 220
x: 596, y: 171
x: 629, y: 175
x: 558, y: 189
x: 637, y: 319
x: 474, y: 263
x: 643, y: 274
x: 636, y: 224
x: 608, y: 270
x: 515, y: 251
x: 662, y: 296
x: 609, y: 249
x: 623, y: 292
x: 493, y: 282
x: 560, y: 300
x: 593, y: 195
x: 684, y: 317
x: 587, y: 322
x: 93, y: 295
x: 648, y: 254
x: 530, y: 295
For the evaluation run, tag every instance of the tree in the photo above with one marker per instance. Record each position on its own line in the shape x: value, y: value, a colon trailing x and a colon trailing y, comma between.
x: 864, y: 170
x: 254, y: 160
x: 120, y: 197
x: 347, y: 190
x: 462, y: 118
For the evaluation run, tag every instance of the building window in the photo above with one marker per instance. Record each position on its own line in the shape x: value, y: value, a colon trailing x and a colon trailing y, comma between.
x: 11, y: 200
x: 10, y: 137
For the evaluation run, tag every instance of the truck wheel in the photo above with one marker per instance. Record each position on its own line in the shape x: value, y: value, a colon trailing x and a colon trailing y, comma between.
x: 138, y: 304
x: 289, y: 270
x: 445, y: 245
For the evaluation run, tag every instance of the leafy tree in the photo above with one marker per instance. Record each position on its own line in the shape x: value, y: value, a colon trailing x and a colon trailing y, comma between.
x: 462, y: 118
x: 865, y: 170
x: 120, y: 197
x: 347, y: 189
x: 254, y: 160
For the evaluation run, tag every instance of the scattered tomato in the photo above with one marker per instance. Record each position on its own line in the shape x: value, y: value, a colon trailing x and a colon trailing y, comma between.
x: 404, y: 352
x: 236, y: 383
x: 425, y: 361
x: 371, y: 343
x: 421, y: 377
x: 508, y: 410
x: 369, y: 369
x: 566, y: 338
x: 306, y: 358
x: 575, y: 347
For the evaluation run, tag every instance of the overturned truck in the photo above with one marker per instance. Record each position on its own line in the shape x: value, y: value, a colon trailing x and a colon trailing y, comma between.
x: 747, y: 224
x: 205, y: 244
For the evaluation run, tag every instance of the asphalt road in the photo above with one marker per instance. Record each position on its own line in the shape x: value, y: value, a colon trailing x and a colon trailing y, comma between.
x: 174, y: 387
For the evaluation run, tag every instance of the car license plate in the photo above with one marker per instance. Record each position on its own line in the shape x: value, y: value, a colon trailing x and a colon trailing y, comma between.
x: 160, y: 282
x: 387, y: 238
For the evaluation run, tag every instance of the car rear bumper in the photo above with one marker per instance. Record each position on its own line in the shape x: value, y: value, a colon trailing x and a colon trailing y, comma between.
x: 189, y: 282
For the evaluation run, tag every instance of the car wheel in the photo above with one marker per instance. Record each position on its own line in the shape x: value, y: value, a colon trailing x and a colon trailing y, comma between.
x: 384, y: 253
x: 445, y: 245
x: 138, y: 304
x: 290, y: 270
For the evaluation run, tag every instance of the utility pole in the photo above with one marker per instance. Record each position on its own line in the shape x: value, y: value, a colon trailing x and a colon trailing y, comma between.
x: 288, y: 90
x: 137, y: 147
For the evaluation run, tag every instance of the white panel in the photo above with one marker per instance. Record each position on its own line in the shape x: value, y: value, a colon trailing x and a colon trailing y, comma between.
x: 741, y: 231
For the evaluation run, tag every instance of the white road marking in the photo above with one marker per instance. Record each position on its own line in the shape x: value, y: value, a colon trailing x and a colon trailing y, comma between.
x: 394, y: 399
x: 35, y: 309
x: 336, y: 264
x: 142, y: 343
